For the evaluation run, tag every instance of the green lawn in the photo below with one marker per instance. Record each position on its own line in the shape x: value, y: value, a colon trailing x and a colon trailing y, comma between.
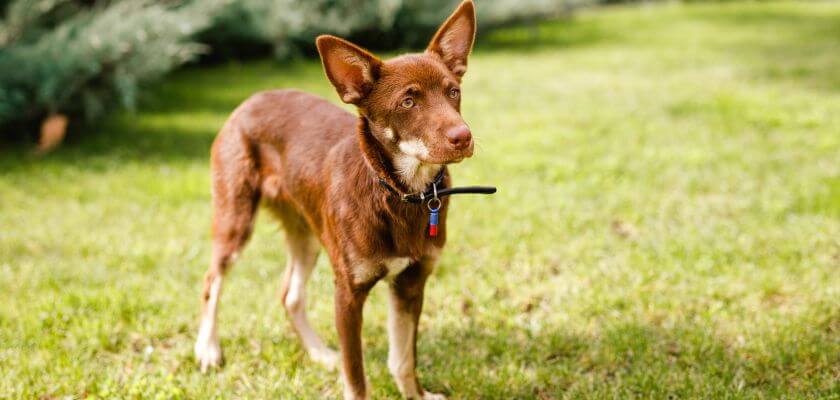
x: 667, y: 225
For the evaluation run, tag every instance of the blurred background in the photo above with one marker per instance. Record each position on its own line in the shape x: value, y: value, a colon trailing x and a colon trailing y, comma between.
x: 667, y: 223
x: 81, y: 58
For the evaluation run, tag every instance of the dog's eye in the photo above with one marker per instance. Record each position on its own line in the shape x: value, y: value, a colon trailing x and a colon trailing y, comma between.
x: 454, y: 93
x: 407, y: 102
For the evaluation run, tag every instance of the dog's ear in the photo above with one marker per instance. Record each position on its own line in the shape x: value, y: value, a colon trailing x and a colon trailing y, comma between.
x: 351, y: 69
x: 454, y: 40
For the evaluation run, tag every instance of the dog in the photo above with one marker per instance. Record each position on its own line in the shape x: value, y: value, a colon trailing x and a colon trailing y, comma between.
x: 338, y: 181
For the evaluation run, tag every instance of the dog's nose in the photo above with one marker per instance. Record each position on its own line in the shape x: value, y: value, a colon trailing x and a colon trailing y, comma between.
x: 459, y: 137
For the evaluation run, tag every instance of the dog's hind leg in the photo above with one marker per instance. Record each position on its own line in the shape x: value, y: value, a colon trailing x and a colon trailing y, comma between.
x: 235, y: 201
x: 302, y: 253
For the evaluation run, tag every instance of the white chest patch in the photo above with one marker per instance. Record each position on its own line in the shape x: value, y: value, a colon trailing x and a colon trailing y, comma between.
x: 410, y: 168
x: 396, y: 265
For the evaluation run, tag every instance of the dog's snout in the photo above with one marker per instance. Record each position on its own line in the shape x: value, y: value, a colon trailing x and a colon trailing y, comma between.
x: 459, y: 137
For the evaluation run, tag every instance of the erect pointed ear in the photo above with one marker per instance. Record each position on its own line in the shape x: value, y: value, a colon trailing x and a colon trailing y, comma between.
x: 351, y: 69
x: 454, y: 40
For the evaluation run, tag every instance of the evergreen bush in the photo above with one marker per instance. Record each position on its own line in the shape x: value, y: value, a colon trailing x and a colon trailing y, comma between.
x: 78, y: 57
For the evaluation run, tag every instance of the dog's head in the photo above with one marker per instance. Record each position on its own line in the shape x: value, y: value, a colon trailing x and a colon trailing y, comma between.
x: 412, y: 102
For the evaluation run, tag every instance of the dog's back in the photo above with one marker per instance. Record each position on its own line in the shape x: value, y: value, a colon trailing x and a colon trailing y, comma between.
x: 284, y: 137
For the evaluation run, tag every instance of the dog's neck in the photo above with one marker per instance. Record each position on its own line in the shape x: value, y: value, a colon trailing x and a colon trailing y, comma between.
x: 403, y: 171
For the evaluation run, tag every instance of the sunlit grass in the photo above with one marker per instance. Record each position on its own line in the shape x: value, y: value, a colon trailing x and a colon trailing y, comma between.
x: 667, y: 224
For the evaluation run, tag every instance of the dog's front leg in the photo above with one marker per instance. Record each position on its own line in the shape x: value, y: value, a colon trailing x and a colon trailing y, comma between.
x: 349, y: 301
x: 405, y: 305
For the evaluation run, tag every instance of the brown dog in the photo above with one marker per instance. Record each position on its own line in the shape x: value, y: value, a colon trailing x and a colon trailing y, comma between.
x: 317, y: 168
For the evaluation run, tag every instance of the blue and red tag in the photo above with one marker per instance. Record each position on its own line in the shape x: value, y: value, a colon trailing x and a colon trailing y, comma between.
x: 433, y: 220
x: 433, y: 212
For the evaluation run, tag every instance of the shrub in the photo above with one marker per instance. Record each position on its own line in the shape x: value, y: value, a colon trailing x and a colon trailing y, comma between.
x: 74, y: 57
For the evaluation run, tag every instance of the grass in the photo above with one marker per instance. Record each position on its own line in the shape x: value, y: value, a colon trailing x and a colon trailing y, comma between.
x: 667, y: 225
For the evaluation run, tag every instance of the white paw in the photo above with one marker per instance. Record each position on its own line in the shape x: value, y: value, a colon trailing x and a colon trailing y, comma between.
x: 326, y: 357
x: 208, y: 353
x: 433, y: 396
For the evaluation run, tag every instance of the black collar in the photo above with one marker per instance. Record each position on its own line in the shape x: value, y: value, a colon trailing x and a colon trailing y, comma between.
x: 435, y: 186
x: 436, y: 189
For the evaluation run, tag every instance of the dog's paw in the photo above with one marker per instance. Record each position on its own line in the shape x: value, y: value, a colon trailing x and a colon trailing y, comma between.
x: 208, y: 353
x: 433, y: 396
x: 326, y: 357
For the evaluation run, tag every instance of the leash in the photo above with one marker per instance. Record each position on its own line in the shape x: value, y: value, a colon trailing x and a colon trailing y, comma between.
x: 433, y: 195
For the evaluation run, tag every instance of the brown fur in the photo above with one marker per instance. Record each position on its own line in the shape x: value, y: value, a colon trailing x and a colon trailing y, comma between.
x: 315, y: 166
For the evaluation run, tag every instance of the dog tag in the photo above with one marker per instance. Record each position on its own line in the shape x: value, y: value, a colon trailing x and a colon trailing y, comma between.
x: 433, y: 212
x: 433, y: 221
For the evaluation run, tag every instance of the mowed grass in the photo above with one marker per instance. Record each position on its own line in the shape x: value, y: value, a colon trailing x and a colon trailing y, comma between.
x: 667, y: 225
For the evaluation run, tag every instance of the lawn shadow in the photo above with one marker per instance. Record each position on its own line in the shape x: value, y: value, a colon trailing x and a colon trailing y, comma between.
x: 111, y: 145
x: 800, y: 46
x: 559, y: 33
x: 177, y: 119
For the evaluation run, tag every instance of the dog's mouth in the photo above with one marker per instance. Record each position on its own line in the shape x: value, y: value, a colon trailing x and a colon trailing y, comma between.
x: 443, y: 161
x: 456, y: 160
x: 450, y: 157
x: 415, y: 152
